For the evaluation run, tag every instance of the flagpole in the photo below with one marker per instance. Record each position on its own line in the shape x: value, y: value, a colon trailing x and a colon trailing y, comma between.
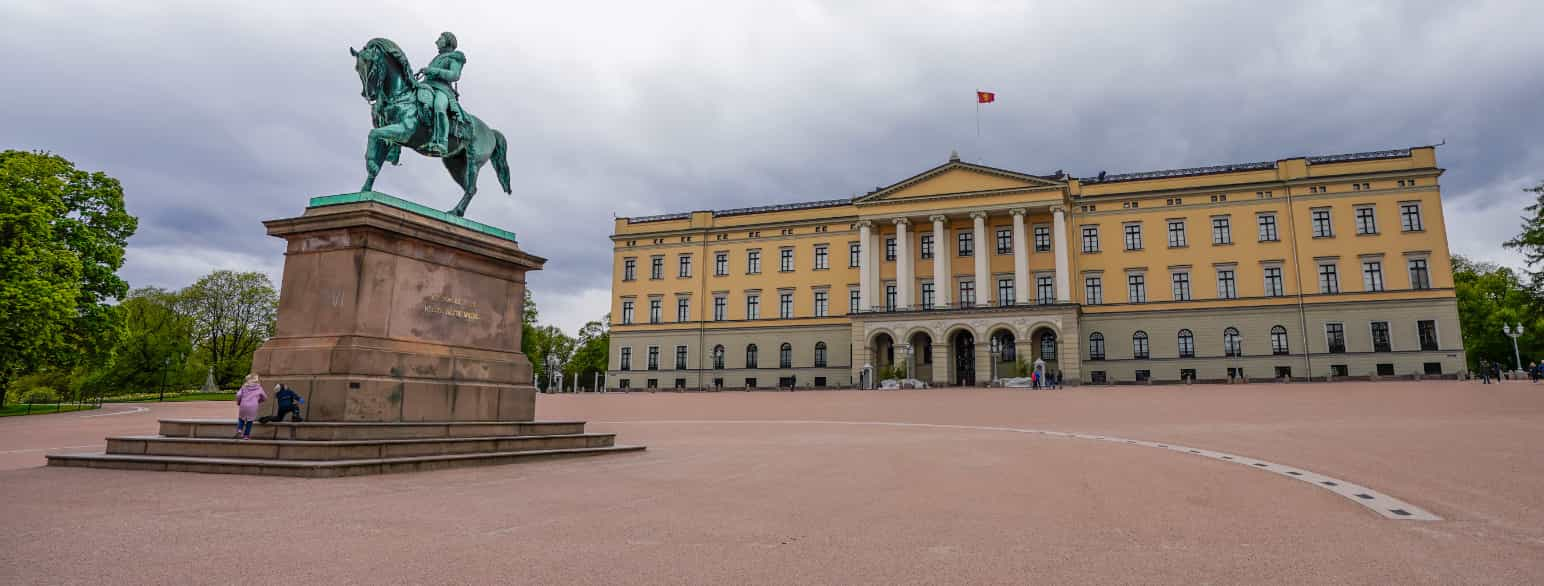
x: 978, y: 121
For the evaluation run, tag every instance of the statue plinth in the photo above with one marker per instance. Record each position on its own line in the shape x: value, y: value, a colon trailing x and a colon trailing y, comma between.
x: 393, y: 312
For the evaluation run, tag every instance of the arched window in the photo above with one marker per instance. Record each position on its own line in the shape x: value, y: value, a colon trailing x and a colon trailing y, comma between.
x: 1001, y: 344
x: 1139, y: 344
x: 785, y: 356
x: 1232, y: 343
x: 750, y: 356
x: 1048, y: 346
x: 1187, y: 344
x: 820, y: 354
x: 1279, y: 341
x: 1096, y: 346
x: 718, y: 357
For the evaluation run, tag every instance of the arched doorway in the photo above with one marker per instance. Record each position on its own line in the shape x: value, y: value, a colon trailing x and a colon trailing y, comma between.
x: 1044, y: 345
x: 1003, y: 354
x: 962, y: 348
x: 921, y: 356
x: 884, y: 355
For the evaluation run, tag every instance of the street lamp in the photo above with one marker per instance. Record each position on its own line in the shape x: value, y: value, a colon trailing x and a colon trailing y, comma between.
x: 1514, y: 334
x: 906, y: 356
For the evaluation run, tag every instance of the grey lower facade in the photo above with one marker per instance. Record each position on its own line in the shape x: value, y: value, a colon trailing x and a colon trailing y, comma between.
x: 972, y: 347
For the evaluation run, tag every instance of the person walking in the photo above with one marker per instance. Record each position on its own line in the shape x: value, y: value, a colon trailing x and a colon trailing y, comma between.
x: 1533, y: 371
x: 1484, y: 372
x: 248, y: 398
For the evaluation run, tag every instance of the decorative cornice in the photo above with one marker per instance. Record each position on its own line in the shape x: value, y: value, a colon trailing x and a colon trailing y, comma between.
x: 865, y: 224
x: 1058, y: 209
x: 978, y: 216
x: 935, y: 218
x: 1018, y: 212
x: 901, y: 221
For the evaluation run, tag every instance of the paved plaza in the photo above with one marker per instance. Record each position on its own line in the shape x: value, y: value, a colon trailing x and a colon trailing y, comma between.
x: 848, y: 487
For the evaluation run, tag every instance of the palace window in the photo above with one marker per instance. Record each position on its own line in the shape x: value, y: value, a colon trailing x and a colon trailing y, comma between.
x: 785, y: 305
x: 1227, y: 284
x: 854, y: 298
x: 890, y: 297
x: 1366, y: 220
x: 1139, y: 345
x: 752, y: 306
x: 1381, y: 341
x: 1372, y: 275
x: 1268, y: 228
x: 753, y: 262
x: 627, y: 312
x: 1321, y: 223
x: 653, y: 357
x: 967, y: 244
x: 1181, y: 285
x: 720, y: 308
x: 683, y: 309
x: 1279, y: 341
x: 1004, y: 241
x: 1045, y: 289
x: 1187, y: 344
x: 927, y: 295
x: 629, y: 269
x: 1093, y: 290
x: 785, y: 356
x: 1335, y: 337
x: 685, y: 266
x: 657, y: 268
x: 925, y: 243
x: 1221, y: 232
x: 1133, y: 236
x: 1420, y: 278
x: 655, y: 310
x: 1048, y: 346
x: 1329, y: 279
x: 1177, y: 237
x: 718, y: 357
x: 1090, y: 239
x: 627, y: 359
x: 820, y: 355
x: 1005, y: 291
x: 721, y: 264
x: 1136, y: 288
x: 854, y: 254
x: 890, y: 248
x: 822, y: 257
x: 1273, y: 282
x: 1410, y: 217
x: 785, y: 260
x: 680, y: 357
x: 822, y: 304
x: 1427, y: 330
x: 750, y: 358
x: 1042, y: 238
x: 1232, y: 343
x: 967, y: 293
x: 1096, y: 346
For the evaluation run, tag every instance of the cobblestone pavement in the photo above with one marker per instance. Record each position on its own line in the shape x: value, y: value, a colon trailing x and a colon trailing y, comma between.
x: 846, y: 487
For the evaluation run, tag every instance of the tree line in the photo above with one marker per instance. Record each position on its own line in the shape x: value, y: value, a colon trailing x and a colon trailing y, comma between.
x: 1491, y: 296
x: 580, y: 357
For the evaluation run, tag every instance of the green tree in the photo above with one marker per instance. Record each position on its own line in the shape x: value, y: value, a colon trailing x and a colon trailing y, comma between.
x: 62, y: 234
x: 231, y: 315
x: 549, y: 341
x: 1490, y: 296
x: 156, y: 343
x: 1531, y: 240
x: 593, y: 352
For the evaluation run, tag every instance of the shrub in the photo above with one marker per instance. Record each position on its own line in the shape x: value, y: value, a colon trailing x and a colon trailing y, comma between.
x: 40, y: 395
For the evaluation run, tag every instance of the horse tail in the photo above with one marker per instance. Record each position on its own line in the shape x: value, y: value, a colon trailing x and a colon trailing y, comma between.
x: 501, y: 159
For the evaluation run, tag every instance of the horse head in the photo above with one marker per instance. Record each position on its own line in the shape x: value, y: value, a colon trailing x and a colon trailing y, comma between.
x: 379, y: 63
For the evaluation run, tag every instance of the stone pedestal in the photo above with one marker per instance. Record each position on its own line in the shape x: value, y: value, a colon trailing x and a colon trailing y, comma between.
x: 393, y: 312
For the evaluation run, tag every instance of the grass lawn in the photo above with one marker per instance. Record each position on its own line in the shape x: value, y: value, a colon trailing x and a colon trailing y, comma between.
x: 42, y: 408
x: 172, y: 397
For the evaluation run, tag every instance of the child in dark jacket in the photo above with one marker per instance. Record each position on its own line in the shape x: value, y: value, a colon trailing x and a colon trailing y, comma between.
x: 289, y: 404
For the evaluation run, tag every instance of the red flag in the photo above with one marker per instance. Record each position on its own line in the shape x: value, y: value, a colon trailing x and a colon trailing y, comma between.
x: 985, y: 97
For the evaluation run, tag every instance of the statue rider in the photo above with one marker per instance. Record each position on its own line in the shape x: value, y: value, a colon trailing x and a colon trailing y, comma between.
x: 439, y: 77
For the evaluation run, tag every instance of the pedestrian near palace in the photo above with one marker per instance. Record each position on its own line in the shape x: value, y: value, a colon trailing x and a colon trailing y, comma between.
x: 248, y: 398
x: 289, y: 404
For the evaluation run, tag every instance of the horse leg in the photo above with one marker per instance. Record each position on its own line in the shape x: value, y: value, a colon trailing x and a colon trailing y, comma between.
x: 456, y: 165
x: 375, y: 152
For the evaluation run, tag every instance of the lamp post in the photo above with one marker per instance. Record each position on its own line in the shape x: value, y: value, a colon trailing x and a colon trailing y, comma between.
x: 552, y: 368
x: 1514, y: 334
x: 905, y: 352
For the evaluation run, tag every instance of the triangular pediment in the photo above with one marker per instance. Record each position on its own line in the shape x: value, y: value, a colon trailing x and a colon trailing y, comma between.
x: 957, y: 177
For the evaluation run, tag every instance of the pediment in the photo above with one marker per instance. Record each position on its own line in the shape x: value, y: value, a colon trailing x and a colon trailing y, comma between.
x: 956, y: 177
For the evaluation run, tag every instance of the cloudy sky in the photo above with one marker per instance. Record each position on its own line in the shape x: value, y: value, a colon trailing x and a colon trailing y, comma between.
x: 217, y: 115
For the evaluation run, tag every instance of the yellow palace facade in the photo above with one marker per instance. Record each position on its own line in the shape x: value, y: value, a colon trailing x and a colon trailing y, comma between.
x: 1307, y: 267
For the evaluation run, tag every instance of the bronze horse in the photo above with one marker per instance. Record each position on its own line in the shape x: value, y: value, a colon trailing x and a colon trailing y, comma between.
x: 402, y: 119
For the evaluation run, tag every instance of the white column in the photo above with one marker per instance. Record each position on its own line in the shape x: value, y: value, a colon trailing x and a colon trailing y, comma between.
x: 1020, y: 259
x: 876, y: 257
x: 1063, y: 271
x: 904, y: 282
x: 865, y: 265
x: 983, y: 278
x: 943, y: 288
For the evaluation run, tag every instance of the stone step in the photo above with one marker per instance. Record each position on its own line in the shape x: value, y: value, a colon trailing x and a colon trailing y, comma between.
x: 317, y: 468
x: 339, y: 431
x: 228, y: 448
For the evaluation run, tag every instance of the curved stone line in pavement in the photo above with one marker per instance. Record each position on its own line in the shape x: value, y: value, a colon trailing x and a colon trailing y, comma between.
x: 1380, y: 503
